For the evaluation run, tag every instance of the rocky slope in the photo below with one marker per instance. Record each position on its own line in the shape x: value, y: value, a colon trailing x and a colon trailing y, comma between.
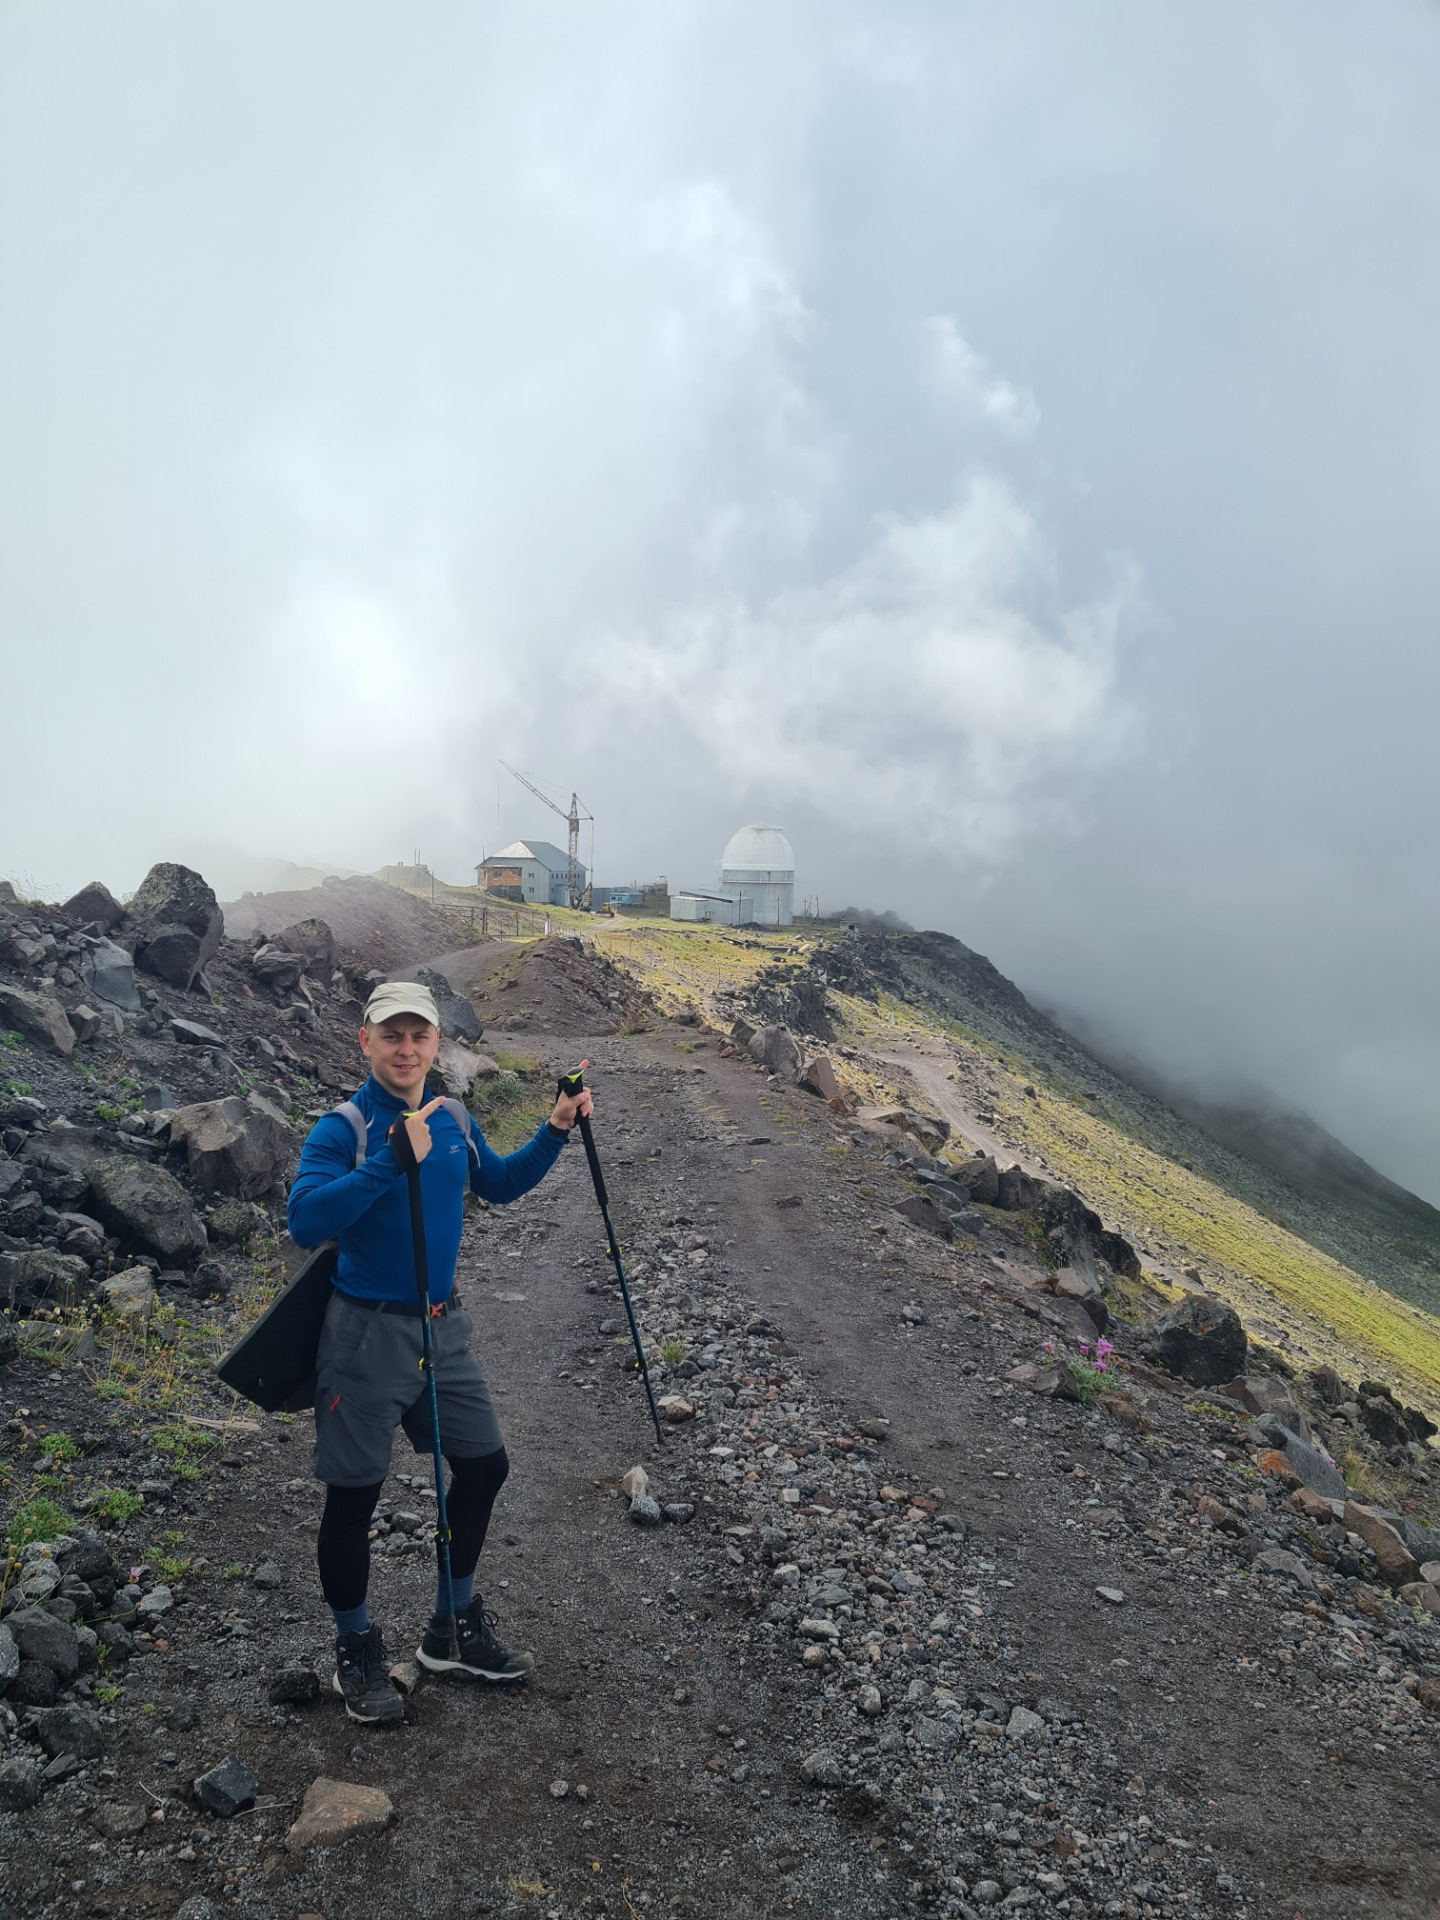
x: 1287, y: 1168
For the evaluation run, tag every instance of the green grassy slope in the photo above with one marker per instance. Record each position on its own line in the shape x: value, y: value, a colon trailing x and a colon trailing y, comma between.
x: 1286, y: 1168
x: 1321, y: 1267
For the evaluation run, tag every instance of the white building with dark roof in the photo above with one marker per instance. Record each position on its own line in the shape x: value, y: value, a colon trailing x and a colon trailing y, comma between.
x: 533, y: 871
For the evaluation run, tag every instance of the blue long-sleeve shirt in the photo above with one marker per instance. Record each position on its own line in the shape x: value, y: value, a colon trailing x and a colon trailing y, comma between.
x: 367, y: 1208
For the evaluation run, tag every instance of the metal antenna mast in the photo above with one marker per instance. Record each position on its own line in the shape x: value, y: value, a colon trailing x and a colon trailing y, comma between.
x: 572, y: 821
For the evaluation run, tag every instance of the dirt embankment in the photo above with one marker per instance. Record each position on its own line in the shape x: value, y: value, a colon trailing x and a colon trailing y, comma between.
x: 388, y: 928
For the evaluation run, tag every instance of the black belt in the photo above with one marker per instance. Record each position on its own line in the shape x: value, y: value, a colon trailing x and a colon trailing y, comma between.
x: 408, y: 1309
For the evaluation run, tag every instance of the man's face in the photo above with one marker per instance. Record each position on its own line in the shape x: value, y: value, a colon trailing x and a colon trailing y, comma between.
x: 401, y: 1051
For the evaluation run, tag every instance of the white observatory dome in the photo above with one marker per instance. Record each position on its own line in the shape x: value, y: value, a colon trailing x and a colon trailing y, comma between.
x: 758, y: 853
x: 758, y: 869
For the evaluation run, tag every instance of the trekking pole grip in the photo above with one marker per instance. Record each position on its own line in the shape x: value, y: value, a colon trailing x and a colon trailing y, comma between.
x: 571, y: 1085
x: 402, y: 1146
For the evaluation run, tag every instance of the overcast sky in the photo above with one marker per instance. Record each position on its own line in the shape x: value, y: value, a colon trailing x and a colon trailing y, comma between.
x: 999, y: 443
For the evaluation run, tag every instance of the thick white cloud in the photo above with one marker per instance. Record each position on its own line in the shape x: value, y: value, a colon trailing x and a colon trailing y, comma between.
x: 731, y: 411
x: 911, y: 694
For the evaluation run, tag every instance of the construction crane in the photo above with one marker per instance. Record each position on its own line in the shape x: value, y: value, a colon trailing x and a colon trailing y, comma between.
x: 572, y: 821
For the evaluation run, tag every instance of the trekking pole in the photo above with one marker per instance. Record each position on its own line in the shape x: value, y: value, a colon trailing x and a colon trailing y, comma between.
x: 404, y: 1151
x: 571, y: 1084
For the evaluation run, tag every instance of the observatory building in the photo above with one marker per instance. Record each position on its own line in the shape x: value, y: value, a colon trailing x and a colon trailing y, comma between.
x: 757, y: 884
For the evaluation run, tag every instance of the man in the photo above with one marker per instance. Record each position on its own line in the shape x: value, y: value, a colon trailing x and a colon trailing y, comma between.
x: 368, y: 1377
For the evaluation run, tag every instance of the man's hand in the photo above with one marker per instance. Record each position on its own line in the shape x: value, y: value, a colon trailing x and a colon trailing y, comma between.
x: 418, y: 1131
x: 569, y: 1107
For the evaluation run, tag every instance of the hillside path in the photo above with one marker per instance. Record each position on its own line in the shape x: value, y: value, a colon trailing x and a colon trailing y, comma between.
x: 1190, y: 1756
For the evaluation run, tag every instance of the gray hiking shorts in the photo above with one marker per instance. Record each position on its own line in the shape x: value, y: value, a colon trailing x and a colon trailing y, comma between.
x: 368, y: 1381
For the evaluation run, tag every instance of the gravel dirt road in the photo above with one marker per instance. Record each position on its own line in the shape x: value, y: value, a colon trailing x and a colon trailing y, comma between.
x: 1201, y: 1744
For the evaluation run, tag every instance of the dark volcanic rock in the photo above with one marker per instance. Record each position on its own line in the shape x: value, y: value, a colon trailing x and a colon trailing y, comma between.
x: 39, y: 1016
x: 71, y: 1730
x: 33, y: 1686
x: 316, y: 942
x: 40, y: 1636
x: 19, y: 1783
x: 180, y: 923
x: 149, y: 1209
x: 227, y: 1789
x: 458, y: 1018
x: 982, y: 1177
x: 921, y: 1212
x: 277, y: 967
x: 191, y: 1033
x: 38, y: 1274
x: 233, y: 1223
x: 108, y: 972
x: 1118, y: 1254
x: 1017, y: 1190
x: 1312, y: 1466
x: 1201, y: 1340
x: 60, y: 1163
x: 94, y: 902
x: 234, y: 1146
x: 294, y: 1686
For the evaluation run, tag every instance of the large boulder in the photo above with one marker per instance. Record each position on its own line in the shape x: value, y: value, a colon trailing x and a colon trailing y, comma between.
x: 1017, y: 1190
x: 920, y: 1211
x: 1201, y: 1340
x: 94, y: 902
x: 819, y: 1078
x: 1392, y: 1556
x: 39, y: 1276
x: 1117, y: 1253
x: 149, y: 1209
x: 1082, y: 1285
x: 1263, y: 1393
x: 277, y: 967
x: 981, y: 1175
x: 38, y: 1016
x: 109, y: 974
x: 775, y: 1049
x: 241, y: 1147
x: 314, y: 939
x: 1070, y: 1226
x: 458, y: 1019
x: 47, y: 1640
x: 1311, y: 1468
x: 1385, y: 1419
x: 180, y: 923
x: 456, y: 1068
x: 71, y: 1729
x: 59, y: 1162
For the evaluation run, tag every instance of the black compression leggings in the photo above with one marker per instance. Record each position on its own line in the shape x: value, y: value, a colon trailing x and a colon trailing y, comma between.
x: 343, y: 1549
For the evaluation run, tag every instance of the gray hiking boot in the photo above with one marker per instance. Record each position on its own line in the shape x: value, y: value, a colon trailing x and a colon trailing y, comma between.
x: 477, y: 1651
x: 362, y: 1682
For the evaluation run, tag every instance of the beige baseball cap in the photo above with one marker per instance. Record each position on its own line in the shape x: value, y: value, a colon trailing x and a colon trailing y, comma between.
x: 400, y: 996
